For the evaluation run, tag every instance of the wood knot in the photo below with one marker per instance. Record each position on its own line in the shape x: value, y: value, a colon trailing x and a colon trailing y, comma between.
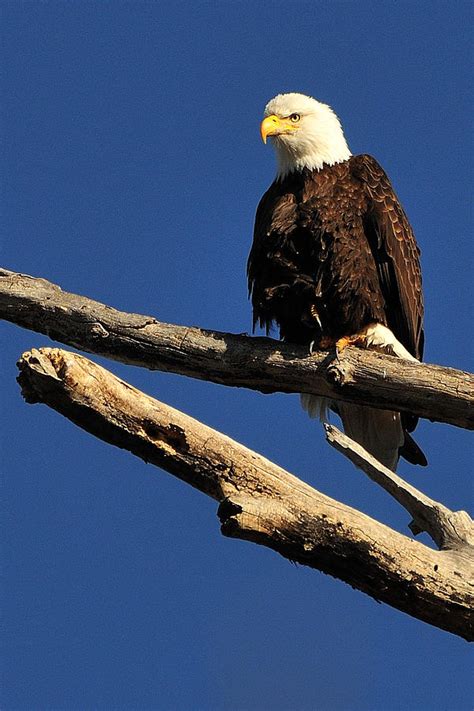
x: 339, y: 373
x: 98, y: 330
x: 229, y: 513
x: 335, y: 375
x: 227, y: 509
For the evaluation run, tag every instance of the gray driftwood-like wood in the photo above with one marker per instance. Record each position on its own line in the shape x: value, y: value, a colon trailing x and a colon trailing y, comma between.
x: 430, y: 391
x: 259, y: 501
x: 450, y: 530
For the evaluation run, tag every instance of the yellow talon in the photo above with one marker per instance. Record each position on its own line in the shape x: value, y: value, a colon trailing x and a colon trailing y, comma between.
x: 357, y: 339
x: 342, y: 343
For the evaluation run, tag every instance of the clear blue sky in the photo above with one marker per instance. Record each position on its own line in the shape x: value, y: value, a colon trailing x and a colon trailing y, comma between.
x: 131, y: 169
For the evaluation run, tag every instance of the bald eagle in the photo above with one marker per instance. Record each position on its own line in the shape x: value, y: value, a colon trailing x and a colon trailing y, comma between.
x: 334, y: 261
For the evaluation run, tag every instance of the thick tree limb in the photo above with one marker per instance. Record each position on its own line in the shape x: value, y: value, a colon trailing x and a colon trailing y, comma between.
x: 260, y: 502
x: 440, y: 394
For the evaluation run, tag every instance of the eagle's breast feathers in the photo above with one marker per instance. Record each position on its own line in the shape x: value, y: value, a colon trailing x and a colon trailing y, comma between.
x: 332, y: 252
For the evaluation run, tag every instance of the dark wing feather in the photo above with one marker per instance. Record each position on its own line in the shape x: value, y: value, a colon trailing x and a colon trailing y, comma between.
x: 275, y: 217
x: 396, y: 254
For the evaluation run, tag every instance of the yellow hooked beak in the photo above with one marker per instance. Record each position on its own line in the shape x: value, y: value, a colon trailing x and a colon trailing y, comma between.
x: 275, y: 126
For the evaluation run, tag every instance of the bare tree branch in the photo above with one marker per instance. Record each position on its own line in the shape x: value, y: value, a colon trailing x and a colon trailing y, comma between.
x: 449, y: 529
x: 434, y: 392
x: 260, y: 502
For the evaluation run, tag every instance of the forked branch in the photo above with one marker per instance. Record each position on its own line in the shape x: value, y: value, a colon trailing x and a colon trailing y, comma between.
x: 259, y: 501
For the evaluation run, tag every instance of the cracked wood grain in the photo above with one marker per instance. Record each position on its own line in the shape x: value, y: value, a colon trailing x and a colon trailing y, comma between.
x: 259, y: 501
x: 434, y: 392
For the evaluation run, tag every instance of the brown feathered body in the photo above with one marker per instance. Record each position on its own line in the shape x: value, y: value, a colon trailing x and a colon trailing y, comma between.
x: 333, y: 251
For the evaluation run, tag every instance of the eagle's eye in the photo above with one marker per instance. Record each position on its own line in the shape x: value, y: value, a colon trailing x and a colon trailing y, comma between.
x: 295, y: 118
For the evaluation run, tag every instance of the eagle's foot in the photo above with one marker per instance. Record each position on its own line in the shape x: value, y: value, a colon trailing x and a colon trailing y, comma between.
x: 358, y: 339
x: 377, y: 337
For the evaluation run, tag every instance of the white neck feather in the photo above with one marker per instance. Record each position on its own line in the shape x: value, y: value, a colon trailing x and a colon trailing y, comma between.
x: 313, y: 155
x: 318, y: 141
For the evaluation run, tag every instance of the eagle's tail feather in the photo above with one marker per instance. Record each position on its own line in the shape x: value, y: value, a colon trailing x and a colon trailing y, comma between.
x: 412, y: 452
x: 380, y: 432
x: 316, y: 407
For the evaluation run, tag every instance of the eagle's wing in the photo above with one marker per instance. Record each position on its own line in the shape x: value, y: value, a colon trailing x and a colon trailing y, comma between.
x: 274, y: 218
x: 396, y: 254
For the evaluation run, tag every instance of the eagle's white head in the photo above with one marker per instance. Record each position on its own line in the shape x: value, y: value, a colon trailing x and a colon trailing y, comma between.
x: 304, y: 132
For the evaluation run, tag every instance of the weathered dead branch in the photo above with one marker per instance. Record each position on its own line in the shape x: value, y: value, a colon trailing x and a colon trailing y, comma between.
x: 450, y: 530
x: 437, y: 393
x: 259, y: 501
